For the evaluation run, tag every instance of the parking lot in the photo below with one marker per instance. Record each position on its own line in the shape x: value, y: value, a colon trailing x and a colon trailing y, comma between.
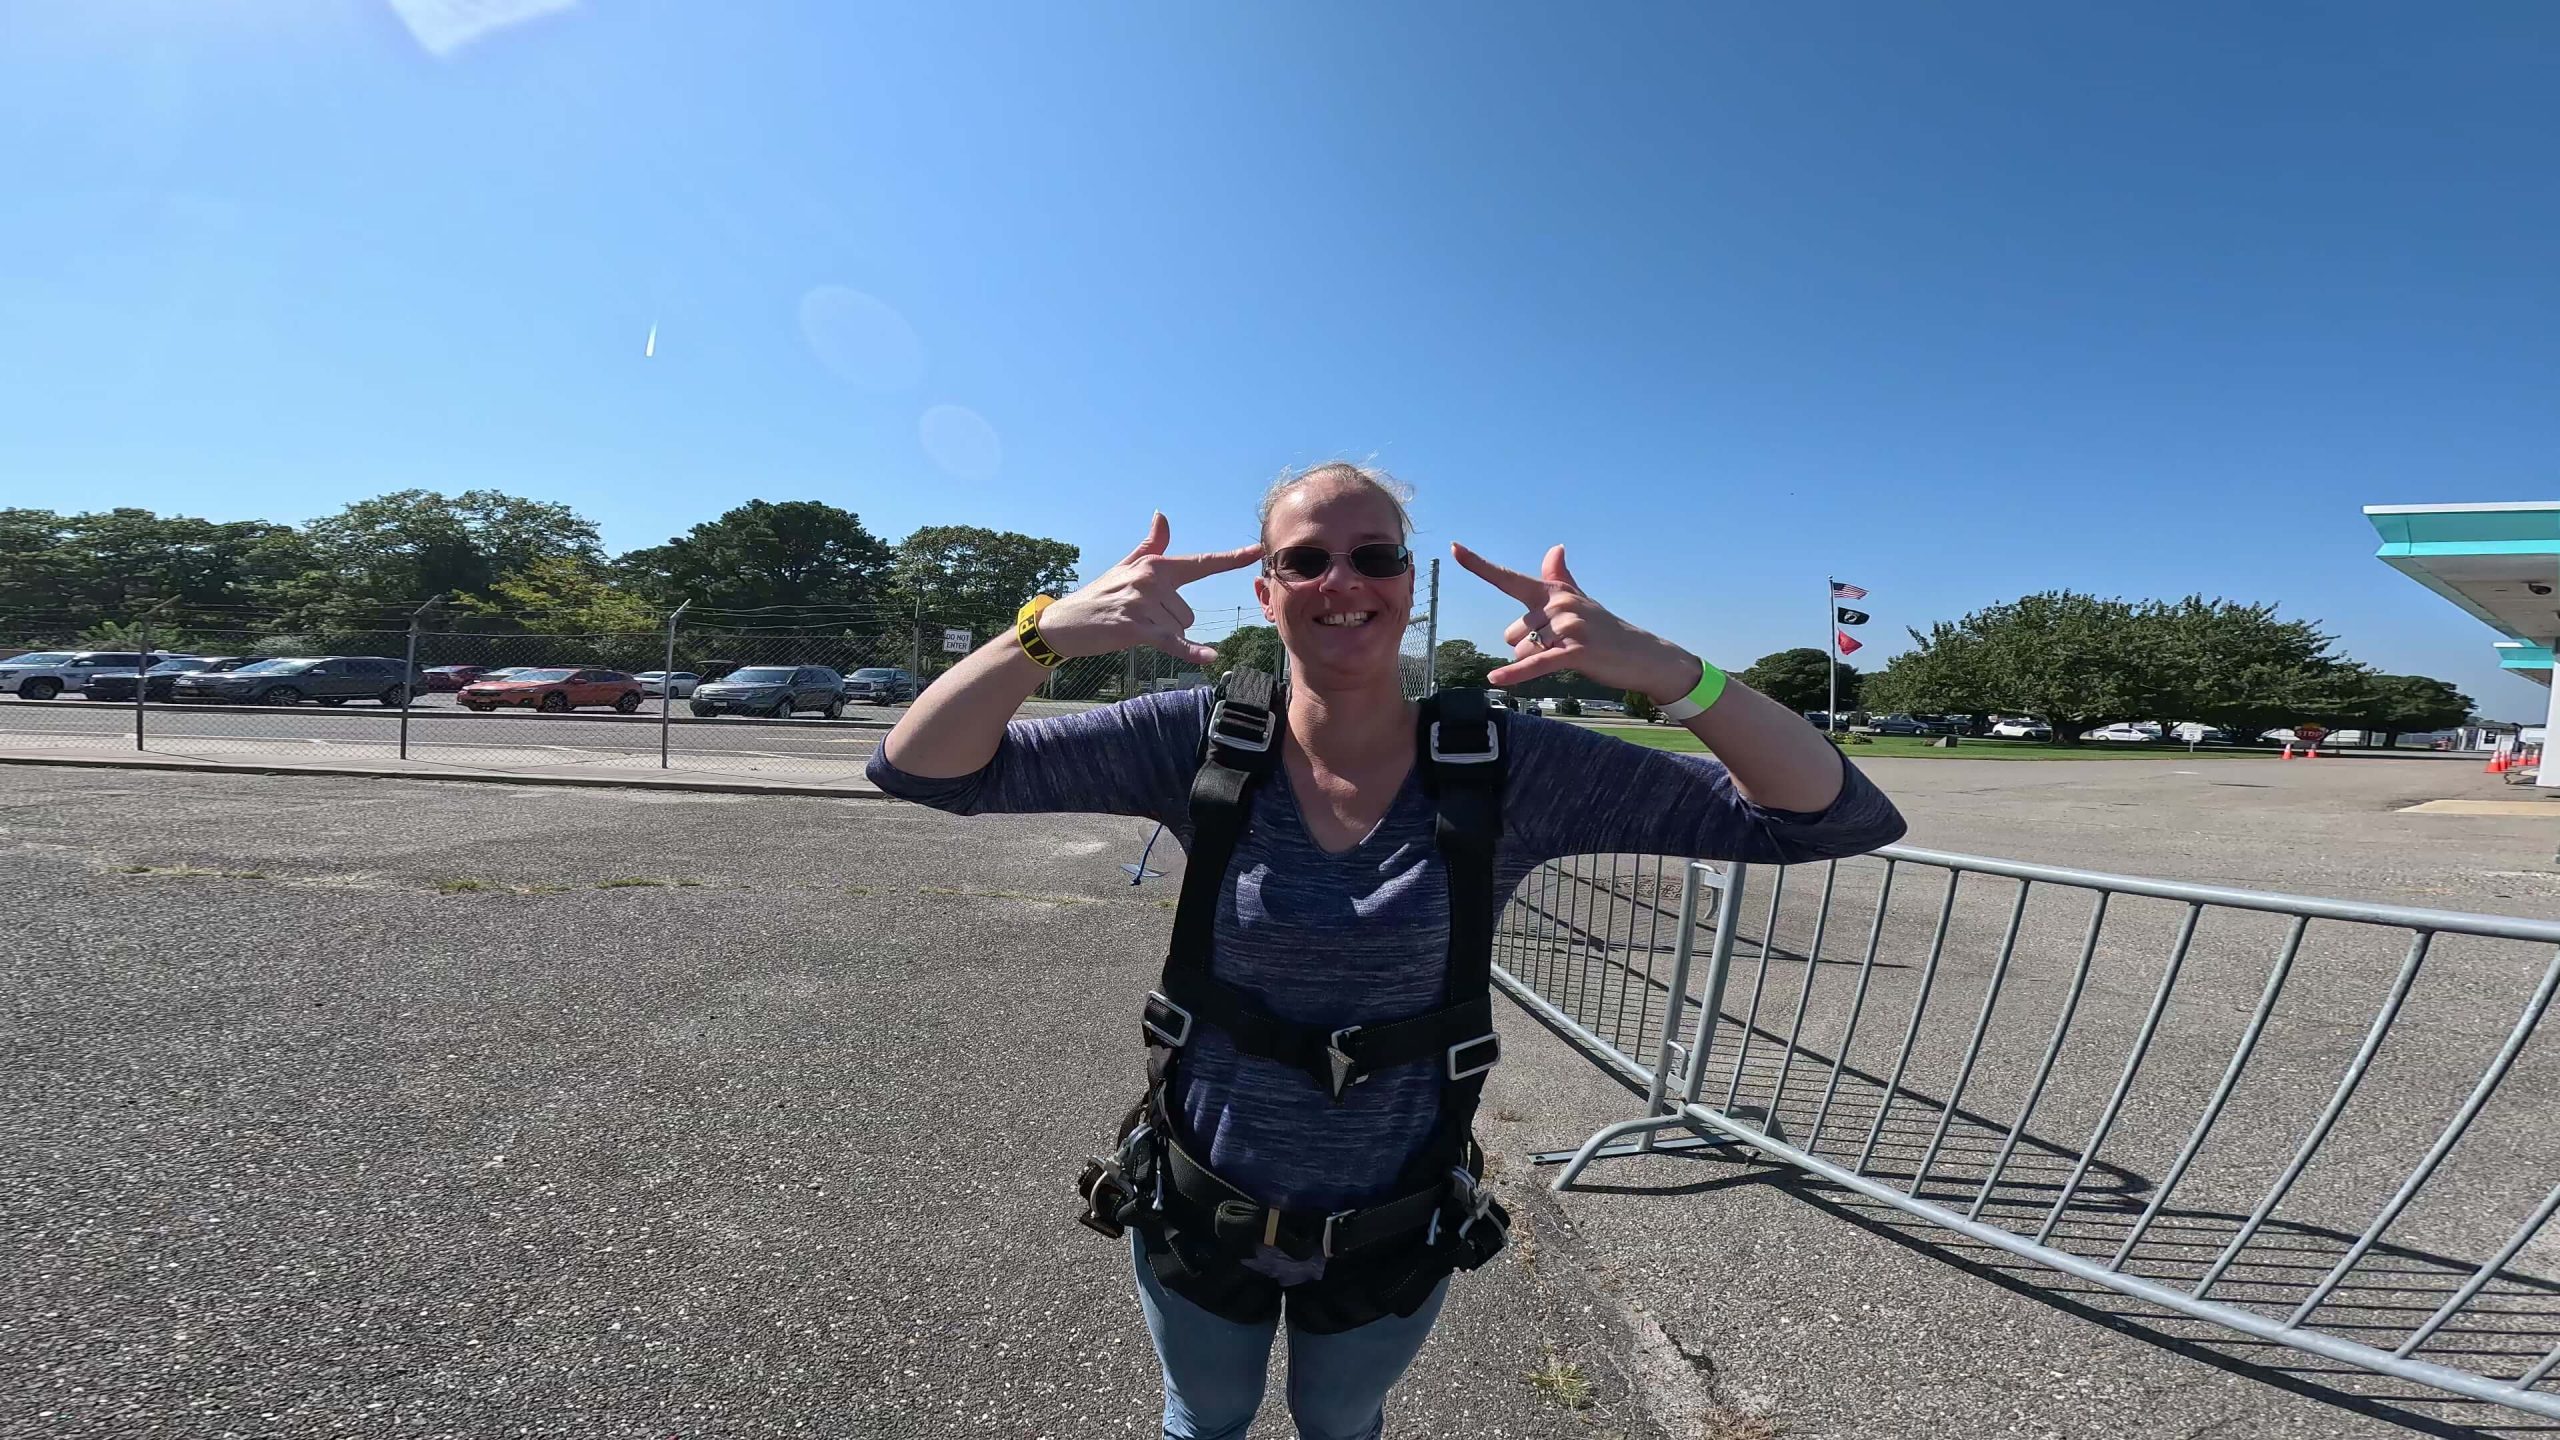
x: 403, y: 1108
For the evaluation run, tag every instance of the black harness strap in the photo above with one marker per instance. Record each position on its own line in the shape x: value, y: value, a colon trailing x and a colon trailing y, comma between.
x: 1441, y: 1209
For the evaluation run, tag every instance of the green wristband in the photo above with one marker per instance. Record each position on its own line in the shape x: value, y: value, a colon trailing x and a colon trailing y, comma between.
x: 1709, y: 689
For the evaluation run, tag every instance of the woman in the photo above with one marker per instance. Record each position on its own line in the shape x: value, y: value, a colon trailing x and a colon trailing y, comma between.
x: 1349, y: 820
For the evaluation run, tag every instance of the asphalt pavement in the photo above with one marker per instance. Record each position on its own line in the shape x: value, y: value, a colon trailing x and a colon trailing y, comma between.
x: 344, y: 1107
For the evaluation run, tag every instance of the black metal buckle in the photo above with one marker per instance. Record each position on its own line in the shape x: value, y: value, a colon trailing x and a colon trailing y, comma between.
x: 1459, y: 1069
x: 1235, y: 725
x: 1103, y: 1178
x: 1479, y: 1206
x: 1346, y: 1066
x: 1491, y: 752
x: 1160, y: 1012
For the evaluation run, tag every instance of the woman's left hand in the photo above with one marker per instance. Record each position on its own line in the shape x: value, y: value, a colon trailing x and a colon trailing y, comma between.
x: 1562, y: 628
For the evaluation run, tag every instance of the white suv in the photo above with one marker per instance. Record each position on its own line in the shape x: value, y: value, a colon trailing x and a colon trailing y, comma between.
x: 47, y: 674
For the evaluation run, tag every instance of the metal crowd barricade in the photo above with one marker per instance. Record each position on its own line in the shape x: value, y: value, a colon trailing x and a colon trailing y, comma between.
x: 2137, y: 1055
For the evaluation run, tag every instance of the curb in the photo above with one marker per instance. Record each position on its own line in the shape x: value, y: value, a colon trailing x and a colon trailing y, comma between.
x: 469, y: 777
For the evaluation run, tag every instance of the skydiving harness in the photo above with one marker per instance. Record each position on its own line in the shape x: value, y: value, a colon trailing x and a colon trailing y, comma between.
x: 1381, y: 1258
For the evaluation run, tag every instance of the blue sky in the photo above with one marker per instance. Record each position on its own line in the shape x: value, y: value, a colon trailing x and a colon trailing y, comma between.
x: 1957, y: 302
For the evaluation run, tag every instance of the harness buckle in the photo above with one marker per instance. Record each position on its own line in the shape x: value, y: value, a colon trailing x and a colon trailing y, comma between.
x: 1476, y: 1204
x: 1235, y: 726
x: 1336, y: 1218
x: 1161, y: 1013
x: 1491, y: 752
x: 1488, y: 1043
x: 1346, y: 1066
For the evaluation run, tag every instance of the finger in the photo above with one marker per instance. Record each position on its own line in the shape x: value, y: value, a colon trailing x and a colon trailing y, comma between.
x: 1555, y: 572
x: 1173, y: 642
x: 1518, y: 630
x: 1172, y: 611
x: 1186, y: 568
x: 1159, y: 535
x: 1545, y: 662
x: 1527, y: 589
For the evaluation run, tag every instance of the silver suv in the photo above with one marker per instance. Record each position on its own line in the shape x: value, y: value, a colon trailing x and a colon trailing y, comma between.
x: 47, y: 674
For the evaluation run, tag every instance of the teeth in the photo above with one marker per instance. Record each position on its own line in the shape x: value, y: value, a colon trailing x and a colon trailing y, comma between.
x: 1346, y: 617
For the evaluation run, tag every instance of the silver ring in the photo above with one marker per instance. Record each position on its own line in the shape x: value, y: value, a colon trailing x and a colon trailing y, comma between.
x: 1541, y: 637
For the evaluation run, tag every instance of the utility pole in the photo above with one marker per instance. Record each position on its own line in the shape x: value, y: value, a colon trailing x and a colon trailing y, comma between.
x: 409, y: 679
x: 667, y: 683
x: 1431, y: 637
x: 142, y: 664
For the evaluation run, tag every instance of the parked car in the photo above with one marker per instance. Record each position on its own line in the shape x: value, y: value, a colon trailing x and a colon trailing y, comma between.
x: 675, y: 684
x: 774, y: 690
x: 448, y: 678
x: 2196, y: 732
x: 1818, y: 719
x: 2020, y: 727
x: 2122, y: 734
x: 1896, y: 724
x: 160, y: 682
x: 44, y: 675
x: 290, y: 680
x: 554, y: 691
x: 880, y: 685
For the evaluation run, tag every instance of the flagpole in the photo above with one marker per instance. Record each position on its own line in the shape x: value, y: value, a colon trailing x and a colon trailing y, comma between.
x: 1831, y: 644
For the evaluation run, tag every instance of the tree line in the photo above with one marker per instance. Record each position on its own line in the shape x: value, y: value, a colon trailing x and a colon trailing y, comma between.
x: 506, y: 563
x: 2080, y: 662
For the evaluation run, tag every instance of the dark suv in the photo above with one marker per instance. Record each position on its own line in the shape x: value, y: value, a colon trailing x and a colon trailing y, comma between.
x: 880, y: 685
x: 160, y: 682
x: 774, y: 690
x: 328, y: 679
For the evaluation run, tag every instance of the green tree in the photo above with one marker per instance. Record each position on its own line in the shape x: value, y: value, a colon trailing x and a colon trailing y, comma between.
x: 2079, y: 661
x: 2243, y: 668
x: 969, y: 576
x: 1800, y: 679
x: 1253, y: 646
x: 398, y: 549
x: 564, y: 595
x: 766, y: 554
x: 2412, y: 704
x: 64, y: 573
x: 1461, y: 666
x: 1639, y: 705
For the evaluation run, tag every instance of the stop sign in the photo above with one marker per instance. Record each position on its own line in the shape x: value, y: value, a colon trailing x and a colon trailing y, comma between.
x: 2309, y: 734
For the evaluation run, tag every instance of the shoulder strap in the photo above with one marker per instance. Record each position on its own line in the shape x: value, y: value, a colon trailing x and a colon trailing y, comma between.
x: 1465, y: 764
x: 1242, y: 747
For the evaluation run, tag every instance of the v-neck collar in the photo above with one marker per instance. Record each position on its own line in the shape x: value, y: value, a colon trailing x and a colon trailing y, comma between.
x: 1298, y: 811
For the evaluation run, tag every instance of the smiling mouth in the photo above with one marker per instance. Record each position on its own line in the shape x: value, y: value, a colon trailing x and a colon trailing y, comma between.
x: 1346, y: 618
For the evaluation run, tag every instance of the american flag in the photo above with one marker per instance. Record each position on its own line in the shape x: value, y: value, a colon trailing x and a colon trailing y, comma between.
x: 1843, y: 590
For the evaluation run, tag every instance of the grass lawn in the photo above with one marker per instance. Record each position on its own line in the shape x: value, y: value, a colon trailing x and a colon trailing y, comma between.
x: 1672, y: 737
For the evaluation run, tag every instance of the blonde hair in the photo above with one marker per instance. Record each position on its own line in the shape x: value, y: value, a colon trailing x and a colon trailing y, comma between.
x: 1339, y: 473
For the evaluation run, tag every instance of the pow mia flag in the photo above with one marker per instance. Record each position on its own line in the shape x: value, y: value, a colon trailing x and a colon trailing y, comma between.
x: 1851, y: 617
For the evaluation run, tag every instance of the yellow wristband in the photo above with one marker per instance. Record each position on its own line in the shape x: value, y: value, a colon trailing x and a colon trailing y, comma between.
x: 1026, y: 628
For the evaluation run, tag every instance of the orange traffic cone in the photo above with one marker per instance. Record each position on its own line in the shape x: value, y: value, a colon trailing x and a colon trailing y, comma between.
x: 2288, y: 751
x: 2497, y: 763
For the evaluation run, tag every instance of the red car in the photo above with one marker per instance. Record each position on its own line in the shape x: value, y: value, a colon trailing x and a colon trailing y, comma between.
x: 554, y: 691
x: 450, y: 677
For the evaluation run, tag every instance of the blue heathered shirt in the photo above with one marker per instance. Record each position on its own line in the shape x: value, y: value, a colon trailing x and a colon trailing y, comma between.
x: 1361, y: 938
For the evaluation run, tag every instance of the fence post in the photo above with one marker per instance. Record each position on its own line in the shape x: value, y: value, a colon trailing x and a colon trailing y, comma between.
x: 142, y: 665
x: 1431, y: 637
x: 1719, y: 967
x: 409, y: 677
x: 1682, y: 954
x: 667, y: 683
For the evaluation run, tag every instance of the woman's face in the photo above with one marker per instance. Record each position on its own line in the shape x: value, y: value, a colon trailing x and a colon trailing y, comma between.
x: 1368, y: 636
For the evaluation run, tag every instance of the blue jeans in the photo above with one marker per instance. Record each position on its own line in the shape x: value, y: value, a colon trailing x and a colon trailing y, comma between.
x: 1213, y: 1368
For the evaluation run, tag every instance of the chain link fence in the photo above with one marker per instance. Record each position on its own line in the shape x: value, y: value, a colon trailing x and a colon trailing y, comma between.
x: 786, y: 697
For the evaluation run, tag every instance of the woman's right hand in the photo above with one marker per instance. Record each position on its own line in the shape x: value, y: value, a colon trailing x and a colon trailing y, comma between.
x: 1139, y: 602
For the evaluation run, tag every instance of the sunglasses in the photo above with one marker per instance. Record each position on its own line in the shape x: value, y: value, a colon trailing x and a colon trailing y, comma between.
x: 1299, y: 564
